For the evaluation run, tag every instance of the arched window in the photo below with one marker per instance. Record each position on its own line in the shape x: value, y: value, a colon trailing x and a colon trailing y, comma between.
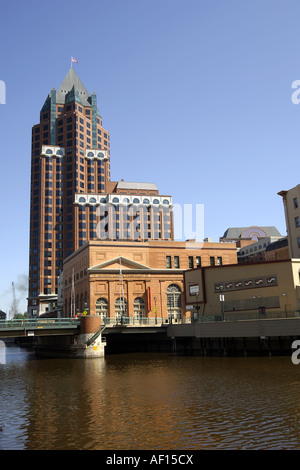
x: 49, y: 152
x: 155, y: 201
x: 115, y: 200
x: 82, y: 199
x: 126, y: 200
x: 136, y: 201
x: 100, y: 155
x: 90, y: 154
x: 174, y: 301
x: 120, y: 308
x: 92, y: 200
x: 165, y: 201
x: 146, y: 201
x: 139, y: 308
x: 102, y: 307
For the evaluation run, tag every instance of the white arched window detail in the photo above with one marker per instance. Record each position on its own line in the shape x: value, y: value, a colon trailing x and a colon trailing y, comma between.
x: 115, y: 200
x: 49, y: 152
x: 82, y: 199
x: 139, y: 308
x: 155, y: 201
x: 174, y: 303
x: 92, y: 200
x: 102, y: 307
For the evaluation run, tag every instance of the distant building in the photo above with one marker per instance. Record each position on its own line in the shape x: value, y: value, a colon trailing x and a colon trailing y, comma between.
x: 278, y: 250
x: 251, y: 242
x: 2, y: 315
x: 243, y: 289
x: 291, y: 203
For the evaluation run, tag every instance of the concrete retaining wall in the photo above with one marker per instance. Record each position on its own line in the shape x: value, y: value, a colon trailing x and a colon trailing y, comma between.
x: 235, y: 329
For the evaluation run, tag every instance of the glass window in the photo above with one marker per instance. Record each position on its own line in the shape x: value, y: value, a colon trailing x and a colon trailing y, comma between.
x: 102, y: 307
x: 120, y: 307
x: 174, y: 301
x: 139, y: 308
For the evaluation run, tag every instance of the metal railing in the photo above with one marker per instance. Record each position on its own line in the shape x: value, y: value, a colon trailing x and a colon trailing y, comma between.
x: 145, y: 321
x: 54, y: 323
x: 17, y: 324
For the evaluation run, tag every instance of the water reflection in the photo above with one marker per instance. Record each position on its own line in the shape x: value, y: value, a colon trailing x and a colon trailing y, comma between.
x: 148, y: 401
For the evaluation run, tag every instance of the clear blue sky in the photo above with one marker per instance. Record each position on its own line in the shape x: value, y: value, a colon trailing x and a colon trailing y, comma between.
x: 196, y: 95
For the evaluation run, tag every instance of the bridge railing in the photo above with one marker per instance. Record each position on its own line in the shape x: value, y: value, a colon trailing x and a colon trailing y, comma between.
x: 16, y: 324
x: 34, y: 323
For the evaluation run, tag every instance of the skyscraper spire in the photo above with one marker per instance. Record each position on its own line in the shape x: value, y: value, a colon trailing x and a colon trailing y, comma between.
x: 72, y: 81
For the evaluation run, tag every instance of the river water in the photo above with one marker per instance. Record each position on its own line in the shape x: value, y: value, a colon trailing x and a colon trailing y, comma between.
x: 148, y: 401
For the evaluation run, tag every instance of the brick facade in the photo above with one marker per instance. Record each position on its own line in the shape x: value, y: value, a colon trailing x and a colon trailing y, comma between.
x: 152, y: 274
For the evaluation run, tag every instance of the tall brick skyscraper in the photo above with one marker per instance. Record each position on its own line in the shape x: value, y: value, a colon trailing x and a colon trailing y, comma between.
x: 73, y: 199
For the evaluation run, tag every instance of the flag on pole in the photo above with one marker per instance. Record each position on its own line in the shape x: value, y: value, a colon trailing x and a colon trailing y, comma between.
x: 74, y: 60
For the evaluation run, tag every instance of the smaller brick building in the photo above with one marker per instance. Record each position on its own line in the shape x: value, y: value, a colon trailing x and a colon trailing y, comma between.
x: 138, y: 279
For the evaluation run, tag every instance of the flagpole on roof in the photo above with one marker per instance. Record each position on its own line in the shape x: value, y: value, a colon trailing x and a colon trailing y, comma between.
x: 73, y: 60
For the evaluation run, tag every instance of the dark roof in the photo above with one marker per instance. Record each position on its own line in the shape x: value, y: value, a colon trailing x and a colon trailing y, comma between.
x: 241, y: 232
x: 278, y: 244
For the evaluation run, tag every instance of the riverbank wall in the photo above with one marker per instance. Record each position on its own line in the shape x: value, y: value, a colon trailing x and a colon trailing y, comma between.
x: 236, y: 338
